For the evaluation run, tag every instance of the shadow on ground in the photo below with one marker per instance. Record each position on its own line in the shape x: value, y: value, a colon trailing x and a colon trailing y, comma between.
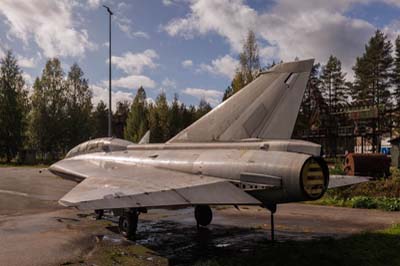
x: 170, y: 243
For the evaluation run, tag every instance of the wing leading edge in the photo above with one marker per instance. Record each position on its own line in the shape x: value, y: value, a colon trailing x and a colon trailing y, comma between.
x: 108, y: 186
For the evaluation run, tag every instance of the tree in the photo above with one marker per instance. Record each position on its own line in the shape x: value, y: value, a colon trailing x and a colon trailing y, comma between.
x: 334, y: 90
x: 204, y: 108
x: 79, y: 107
x: 119, y: 119
x: 137, y: 122
x: 13, y: 107
x: 48, y: 118
x: 175, y: 117
x: 249, y: 66
x: 373, y: 78
x: 188, y: 115
x: 158, y: 119
x: 396, y: 71
x: 313, y: 106
x: 333, y: 84
x: 100, y: 121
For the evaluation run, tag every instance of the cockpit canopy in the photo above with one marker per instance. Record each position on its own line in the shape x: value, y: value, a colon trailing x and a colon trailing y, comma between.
x: 99, y: 145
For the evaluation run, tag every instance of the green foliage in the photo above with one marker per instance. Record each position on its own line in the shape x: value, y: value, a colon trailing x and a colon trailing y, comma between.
x: 119, y: 120
x: 13, y: 107
x: 313, y: 107
x: 364, y: 202
x: 78, y: 107
x: 383, y: 203
x: 61, y: 110
x: 158, y: 113
x: 333, y: 84
x: 138, y: 118
x: 249, y: 66
x: 100, y: 121
x: 373, y: 71
x: 175, y: 119
x: 48, y: 117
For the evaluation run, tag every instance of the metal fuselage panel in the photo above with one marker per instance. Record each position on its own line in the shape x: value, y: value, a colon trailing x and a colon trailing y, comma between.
x: 282, y: 159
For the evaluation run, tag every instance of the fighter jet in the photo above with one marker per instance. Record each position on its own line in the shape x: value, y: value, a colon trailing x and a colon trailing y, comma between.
x: 240, y: 153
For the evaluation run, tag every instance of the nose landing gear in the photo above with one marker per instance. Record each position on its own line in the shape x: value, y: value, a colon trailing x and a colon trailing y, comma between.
x: 203, y: 215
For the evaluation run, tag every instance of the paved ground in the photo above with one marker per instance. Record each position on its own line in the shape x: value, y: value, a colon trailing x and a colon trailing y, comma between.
x: 35, y: 230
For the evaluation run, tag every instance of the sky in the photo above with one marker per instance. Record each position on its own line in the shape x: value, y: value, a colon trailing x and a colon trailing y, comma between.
x: 188, y: 47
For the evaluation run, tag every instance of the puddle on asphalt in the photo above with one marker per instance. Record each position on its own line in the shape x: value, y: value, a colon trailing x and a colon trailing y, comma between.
x: 183, y: 244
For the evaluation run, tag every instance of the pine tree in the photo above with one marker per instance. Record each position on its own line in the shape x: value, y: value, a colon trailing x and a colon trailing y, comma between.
x: 333, y: 84
x: 204, y: 108
x: 313, y: 106
x: 100, y: 121
x: 120, y: 118
x: 48, y: 118
x: 188, y: 115
x: 13, y: 107
x: 137, y: 122
x: 373, y: 72
x: 175, y: 117
x: 79, y: 107
x: 158, y: 119
x: 373, y: 78
x: 396, y: 71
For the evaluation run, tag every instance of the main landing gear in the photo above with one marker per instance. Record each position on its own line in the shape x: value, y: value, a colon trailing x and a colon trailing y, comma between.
x: 272, y: 208
x: 128, y: 222
x: 203, y: 215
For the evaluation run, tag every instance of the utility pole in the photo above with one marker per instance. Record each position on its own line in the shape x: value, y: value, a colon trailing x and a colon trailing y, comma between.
x: 109, y: 74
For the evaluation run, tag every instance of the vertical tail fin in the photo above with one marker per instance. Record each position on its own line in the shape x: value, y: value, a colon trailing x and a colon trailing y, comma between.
x: 266, y: 108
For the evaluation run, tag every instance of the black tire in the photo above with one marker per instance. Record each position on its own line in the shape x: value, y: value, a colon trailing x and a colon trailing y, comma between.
x: 128, y: 225
x: 203, y: 215
x: 99, y: 214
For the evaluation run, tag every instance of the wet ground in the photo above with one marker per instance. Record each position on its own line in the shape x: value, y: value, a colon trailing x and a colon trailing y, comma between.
x: 35, y: 230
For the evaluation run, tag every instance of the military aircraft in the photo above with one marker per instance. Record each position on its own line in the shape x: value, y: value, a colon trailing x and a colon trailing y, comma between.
x: 240, y: 153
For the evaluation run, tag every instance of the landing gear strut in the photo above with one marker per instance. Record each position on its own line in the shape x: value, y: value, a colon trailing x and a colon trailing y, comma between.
x: 99, y: 214
x: 272, y: 208
x: 128, y: 222
x: 203, y: 215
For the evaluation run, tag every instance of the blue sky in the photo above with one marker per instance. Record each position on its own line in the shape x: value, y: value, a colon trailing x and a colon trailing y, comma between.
x: 189, y: 47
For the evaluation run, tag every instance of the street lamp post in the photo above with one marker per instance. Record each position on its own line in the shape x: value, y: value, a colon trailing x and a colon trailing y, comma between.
x: 109, y: 74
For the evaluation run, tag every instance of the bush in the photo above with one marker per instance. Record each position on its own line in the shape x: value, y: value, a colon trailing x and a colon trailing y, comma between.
x: 363, y: 202
x: 389, y: 204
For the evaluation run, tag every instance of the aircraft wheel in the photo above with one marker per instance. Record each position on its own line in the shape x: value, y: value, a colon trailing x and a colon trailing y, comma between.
x: 203, y: 215
x: 99, y: 214
x: 128, y: 224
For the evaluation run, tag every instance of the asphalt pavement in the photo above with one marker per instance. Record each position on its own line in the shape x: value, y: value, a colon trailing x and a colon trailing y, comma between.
x: 35, y: 230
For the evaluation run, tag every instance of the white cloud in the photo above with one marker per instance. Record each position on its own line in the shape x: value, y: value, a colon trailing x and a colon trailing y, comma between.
x: 211, y: 96
x: 168, y: 83
x: 125, y: 24
x: 303, y: 29
x: 26, y: 62
x: 49, y: 23
x: 167, y: 2
x: 101, y: 94
x: 135, y: 63
x: 231, y: 19
x: 94, y: 3
x: 127, y: 29
x: 187, y: 63
x: 132, y: 82
x: 224, y: 66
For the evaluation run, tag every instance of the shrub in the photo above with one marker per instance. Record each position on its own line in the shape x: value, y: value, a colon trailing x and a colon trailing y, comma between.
x: 364, y: 202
